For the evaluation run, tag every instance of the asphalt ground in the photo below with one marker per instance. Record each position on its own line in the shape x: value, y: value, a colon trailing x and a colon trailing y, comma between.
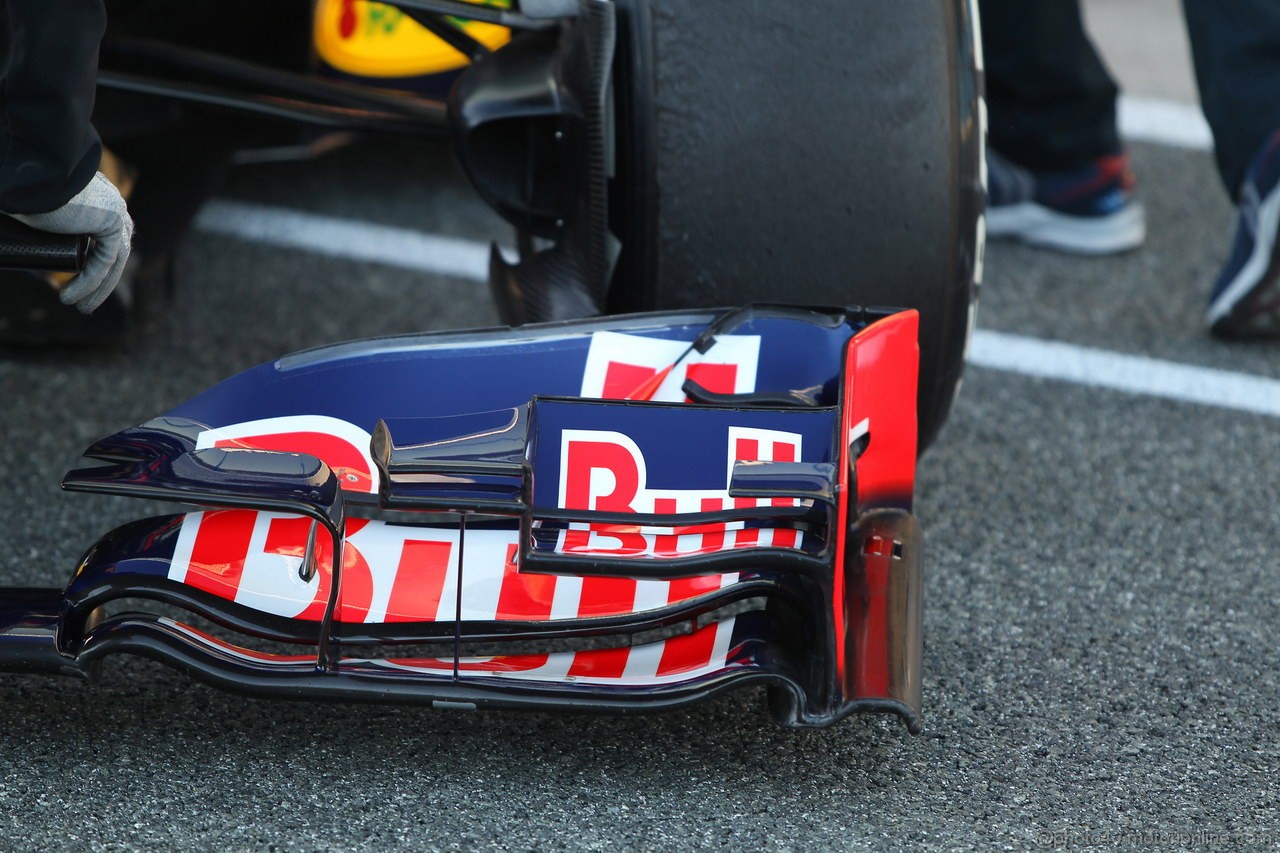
x: 1101, y: 595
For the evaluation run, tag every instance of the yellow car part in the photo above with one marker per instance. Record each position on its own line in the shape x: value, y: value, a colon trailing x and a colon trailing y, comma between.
x: 369, y: 39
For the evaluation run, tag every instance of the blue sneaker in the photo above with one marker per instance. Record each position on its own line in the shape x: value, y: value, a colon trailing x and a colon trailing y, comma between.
x: 1086, y: 211
x: 1246, y: 297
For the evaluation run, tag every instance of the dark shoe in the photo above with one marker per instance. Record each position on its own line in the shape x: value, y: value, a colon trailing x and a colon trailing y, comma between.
x: 1246, y: 296
x: 31, y: 314
x: 1088, y: 211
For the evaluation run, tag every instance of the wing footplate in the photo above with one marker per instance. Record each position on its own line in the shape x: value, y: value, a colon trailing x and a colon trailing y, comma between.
x: 883, y: 611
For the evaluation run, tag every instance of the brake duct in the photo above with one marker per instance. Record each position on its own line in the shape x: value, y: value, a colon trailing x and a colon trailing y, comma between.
x: 531, y: 130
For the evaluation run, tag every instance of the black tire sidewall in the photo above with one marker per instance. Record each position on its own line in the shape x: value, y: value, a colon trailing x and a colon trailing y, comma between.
x: 823, y: 153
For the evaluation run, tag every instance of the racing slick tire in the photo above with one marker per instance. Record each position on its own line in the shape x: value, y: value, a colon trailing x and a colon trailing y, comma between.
x: 828, y: 152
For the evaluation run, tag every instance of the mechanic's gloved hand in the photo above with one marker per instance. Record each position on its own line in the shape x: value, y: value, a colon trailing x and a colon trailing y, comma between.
x: 99, y: 211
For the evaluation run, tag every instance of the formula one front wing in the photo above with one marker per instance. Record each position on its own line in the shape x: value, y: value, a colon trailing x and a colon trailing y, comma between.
x: 613, y: 515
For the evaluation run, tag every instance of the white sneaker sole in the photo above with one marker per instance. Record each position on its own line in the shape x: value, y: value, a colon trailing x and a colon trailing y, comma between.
x: 1037, y: 225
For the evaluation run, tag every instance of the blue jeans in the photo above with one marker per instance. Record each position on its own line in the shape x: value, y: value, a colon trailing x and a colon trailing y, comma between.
x: 1051, y: 101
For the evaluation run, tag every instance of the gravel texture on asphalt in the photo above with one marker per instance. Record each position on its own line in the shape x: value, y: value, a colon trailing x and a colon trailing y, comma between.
x: 1101, y: 596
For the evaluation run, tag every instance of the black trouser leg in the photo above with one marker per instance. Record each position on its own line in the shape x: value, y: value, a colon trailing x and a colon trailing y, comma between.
x: 1236, y: 48
x: 1051, y: 102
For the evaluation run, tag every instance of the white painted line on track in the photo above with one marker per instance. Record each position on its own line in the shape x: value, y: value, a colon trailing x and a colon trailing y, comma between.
x: 468, y: 259
x: 350, y: 239
x: 1163, y: 122
x: 1134, y: 374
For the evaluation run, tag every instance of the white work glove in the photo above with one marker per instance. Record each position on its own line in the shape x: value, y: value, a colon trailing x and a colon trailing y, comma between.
x: 99, y: 211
